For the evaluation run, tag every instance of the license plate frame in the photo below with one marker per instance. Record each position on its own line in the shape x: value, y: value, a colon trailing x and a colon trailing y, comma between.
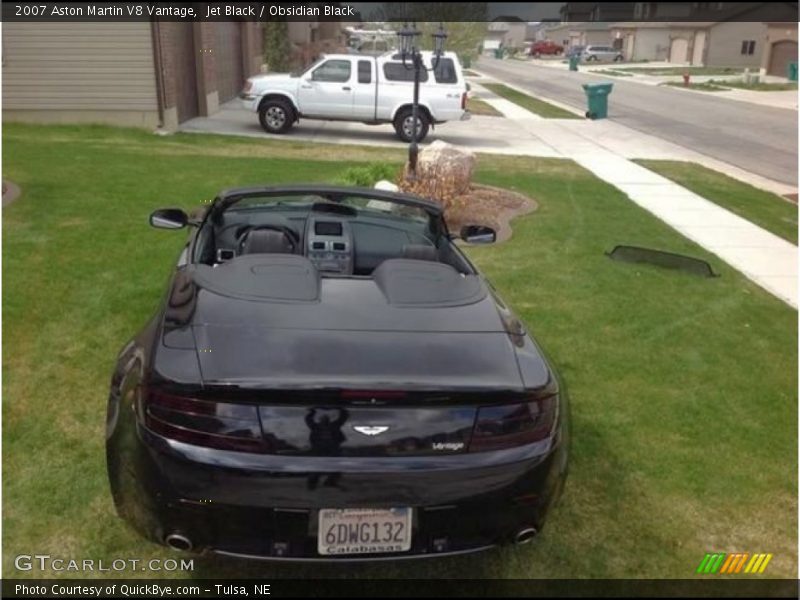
x: 359, y: 531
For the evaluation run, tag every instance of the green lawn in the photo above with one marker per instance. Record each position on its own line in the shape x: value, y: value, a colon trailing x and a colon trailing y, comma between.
x: 757, y: 87
x: 681, y: 70
x: 478, y: 107
x: 534, y: 105
x: 684, y: 389
x: 611, y: 73
x: 703, y: 86
x: 762, y: 208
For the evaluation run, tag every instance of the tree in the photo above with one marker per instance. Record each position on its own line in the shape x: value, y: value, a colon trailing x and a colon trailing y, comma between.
x: 277, y: 49
x: 463, y: 37
x: 464, y: 22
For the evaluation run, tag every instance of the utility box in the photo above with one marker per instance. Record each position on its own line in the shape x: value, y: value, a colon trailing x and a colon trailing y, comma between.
x: 573, y: 62
x: 597, y: 99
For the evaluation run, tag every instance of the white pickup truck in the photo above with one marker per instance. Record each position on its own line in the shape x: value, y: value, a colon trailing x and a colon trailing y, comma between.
x: 367, y: 89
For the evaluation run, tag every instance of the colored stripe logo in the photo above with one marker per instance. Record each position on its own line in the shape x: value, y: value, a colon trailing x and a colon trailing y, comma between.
x: 714, y: 563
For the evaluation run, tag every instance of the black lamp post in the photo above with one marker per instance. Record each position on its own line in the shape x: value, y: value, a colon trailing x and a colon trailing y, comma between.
x: 412, y: 59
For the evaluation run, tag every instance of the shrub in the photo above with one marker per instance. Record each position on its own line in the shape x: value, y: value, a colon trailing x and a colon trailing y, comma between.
x: 368, y: 175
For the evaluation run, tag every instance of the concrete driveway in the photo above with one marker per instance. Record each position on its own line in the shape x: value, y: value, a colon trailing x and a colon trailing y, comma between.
x: 494, y: 135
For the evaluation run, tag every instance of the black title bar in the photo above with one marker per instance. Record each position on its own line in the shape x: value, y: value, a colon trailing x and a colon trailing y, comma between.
x: 700, y: 586
x: 555, y: 12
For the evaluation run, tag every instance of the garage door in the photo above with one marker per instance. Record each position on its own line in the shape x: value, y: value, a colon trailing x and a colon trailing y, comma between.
x: 186, y: 84
x: 678, y: 50
x: 228, y: 58
x: 781, y: 55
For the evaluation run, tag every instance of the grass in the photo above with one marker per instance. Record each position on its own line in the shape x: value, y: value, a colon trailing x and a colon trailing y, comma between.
x: 690, y: 70
x: 757, y: 87
x: 534, y: 105
x: 767, y: 210
x: 706, y: 86
x: 469, y: 73
x: 478, y: 107
x: 683, y: 389
x: 612, y: 73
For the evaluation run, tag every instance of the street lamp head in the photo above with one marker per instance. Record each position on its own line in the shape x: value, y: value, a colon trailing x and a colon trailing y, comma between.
x: 439, y: 38
x: 408, y: 36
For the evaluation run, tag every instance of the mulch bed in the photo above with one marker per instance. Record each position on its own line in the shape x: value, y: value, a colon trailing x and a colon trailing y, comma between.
x: 487, y: 205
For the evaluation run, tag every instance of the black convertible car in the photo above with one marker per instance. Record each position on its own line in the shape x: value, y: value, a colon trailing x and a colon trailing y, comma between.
x: 329, y: 378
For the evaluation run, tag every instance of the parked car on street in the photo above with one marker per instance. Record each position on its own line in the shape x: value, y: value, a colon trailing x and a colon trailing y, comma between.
x: 329, y: 377
x: 545, y: 47
x: 367, y: 89
x: 601, y: 53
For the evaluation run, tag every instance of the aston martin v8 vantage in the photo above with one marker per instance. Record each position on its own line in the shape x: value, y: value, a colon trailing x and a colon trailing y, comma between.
x: 328, y: 377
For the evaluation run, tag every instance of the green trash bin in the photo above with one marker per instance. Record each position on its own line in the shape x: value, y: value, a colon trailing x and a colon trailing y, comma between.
x: 573, y: 62
x: 597, y: 99
x: 791, y: 71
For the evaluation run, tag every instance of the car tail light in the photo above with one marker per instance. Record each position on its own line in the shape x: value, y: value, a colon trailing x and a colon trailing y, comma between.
x: 204, y: 423
x: 464, y: 101
x: 248, y: 86
x: 510, y: 425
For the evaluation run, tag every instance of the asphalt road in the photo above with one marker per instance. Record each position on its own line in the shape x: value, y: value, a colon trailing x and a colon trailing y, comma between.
x: 759, y: 139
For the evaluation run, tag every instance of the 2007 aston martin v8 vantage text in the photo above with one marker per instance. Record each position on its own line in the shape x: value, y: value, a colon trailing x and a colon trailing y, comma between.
x: 328, y: 377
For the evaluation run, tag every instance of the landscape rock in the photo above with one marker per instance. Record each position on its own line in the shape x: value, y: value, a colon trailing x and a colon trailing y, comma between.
x: 448, y: 165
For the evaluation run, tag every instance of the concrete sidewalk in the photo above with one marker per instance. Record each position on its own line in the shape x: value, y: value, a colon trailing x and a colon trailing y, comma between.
x: 763, y: 257
x: 617, y: 138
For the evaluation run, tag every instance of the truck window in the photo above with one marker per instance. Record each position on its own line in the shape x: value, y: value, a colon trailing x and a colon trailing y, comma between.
x: 364, y: 71
x: 395, y: 71
x: 445, y: 71
x: 335, y: 71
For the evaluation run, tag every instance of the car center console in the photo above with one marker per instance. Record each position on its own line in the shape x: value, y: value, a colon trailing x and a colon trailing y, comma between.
x: 330, y: 245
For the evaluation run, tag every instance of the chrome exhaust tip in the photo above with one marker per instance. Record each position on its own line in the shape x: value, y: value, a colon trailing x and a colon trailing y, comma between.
x: 525, y: 535
x: 177, y: 541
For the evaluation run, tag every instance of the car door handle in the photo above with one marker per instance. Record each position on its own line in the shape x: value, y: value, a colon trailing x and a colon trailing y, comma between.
x: 307, y: 87
x: 346, y: 88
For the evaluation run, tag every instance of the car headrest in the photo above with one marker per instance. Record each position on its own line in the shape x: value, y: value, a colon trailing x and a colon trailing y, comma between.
x: 266, y: 241
x: 420, y: 252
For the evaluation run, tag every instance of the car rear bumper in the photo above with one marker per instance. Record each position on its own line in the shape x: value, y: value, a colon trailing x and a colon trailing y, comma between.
x: 266, y: 506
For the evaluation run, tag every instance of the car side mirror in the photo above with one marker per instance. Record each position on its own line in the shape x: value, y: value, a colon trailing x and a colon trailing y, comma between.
x: 478, y: 234
x: 169, y: 218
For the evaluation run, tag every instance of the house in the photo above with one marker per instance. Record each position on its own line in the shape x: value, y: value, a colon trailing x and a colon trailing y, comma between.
x: 700, y: 43
x: 148, y: 74
x: 508, y: 32
x: 780, y: 48
x: 587, y: 33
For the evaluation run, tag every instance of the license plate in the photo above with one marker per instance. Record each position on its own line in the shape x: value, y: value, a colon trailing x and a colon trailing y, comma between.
x: 363, y: 531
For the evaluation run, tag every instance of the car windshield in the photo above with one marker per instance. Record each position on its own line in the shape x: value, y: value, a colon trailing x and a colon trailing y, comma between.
x: 348, y: 205
x: 343, y: 233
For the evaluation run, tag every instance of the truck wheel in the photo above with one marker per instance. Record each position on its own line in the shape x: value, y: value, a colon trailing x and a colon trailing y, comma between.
x: 404, y: 125
x: 276, y: 116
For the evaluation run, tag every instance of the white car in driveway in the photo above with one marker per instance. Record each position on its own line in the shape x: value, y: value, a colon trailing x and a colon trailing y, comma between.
x: 604, y: 53
x: 366, y: 89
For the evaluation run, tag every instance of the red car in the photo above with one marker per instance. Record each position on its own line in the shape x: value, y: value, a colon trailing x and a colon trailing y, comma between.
x: 546, y: 47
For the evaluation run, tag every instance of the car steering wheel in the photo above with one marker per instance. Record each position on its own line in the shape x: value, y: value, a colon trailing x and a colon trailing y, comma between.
x: 291, y: 234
